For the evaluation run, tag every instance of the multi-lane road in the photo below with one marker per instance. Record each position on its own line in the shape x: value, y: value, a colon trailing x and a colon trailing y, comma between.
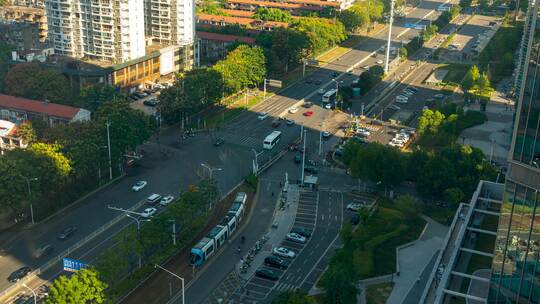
x: 171, y: 165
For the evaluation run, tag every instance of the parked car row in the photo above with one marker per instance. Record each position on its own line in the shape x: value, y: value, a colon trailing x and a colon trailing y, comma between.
x: 281, y: 256
x: 403, y: 97
x: 401, y: 138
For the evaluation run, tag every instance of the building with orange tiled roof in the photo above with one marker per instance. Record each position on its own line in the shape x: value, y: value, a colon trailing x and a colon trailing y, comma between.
x: 238, y: 13
x: 214, y: 46
x: 216, y: 20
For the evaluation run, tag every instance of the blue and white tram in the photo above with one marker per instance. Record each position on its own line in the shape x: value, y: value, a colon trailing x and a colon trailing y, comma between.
x: 202, y: 251
x: 217, y: 237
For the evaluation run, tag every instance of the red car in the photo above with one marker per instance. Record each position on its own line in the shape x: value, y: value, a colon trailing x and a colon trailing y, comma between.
x: 308, y: 113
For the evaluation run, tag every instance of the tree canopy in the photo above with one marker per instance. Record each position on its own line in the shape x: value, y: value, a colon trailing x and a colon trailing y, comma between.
x: 30, y: 80
x: 322, y: 33
x: 273, y: 14
x: 83, y: 286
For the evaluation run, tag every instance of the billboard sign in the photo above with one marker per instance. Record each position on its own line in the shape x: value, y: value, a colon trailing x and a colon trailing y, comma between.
x: 73, y: 265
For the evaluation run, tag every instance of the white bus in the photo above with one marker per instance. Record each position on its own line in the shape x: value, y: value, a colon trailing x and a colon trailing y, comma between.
x: 271, y: 140
x: 329, y: 96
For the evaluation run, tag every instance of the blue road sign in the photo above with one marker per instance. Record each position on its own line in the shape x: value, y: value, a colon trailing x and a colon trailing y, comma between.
x: 73, y: 265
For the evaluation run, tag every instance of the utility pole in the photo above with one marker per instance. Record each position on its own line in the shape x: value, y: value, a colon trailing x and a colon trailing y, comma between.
x: 178, y: 277
x: 303, y: 67
x: 389, y: 42
x: 320, y: 142
x: 28, y: 180
x: 109, y: 147
x: 264, y: 94
x: 173, y: 231
x: 304, y: 158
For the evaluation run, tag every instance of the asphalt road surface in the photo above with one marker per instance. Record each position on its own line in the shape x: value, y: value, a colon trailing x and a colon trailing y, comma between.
x: 171, y: 165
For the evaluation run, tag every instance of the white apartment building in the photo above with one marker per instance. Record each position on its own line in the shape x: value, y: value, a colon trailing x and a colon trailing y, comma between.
x: 104, y: 30
x: 170, y: 22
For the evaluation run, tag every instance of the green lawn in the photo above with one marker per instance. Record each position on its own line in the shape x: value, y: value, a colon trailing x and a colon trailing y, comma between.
x: 456, y: 72
x: 378, y: 294
x: 443, y: 215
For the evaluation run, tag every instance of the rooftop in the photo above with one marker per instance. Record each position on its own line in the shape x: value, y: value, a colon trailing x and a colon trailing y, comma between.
x: 275, y: 4
x: 240, y: 20
x: 225, y: 38
x: 36, y: 106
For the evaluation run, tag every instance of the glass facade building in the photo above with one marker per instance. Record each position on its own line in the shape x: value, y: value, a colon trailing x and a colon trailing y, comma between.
x: 516, y: 264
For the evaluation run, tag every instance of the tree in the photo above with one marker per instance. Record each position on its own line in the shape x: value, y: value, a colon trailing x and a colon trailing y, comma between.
x: 483, y: 85
x: 430, y: 121
x: 409, y: 205
x: 26, y: 132
x: 379, y: 164
x: 483, y: 5
x: 338, y: 282
x: 5, y: 55
x: 172, y: 104
x: 30, y: 80
x: 354, y: 17
x: 470, y: 79
x: 403, y: 53
x: 244, y: 67
x: 346, y: 234
x: 289, y: 45
x: 293, y: 297
x: 438, y: 175
x: 82, y: 287
x: 272, y: 14
x: 202, y: 87
x: 90, y: 97
x: 128, y: 127
x: 454, y: 196
x: 377, y: 71
x: 322, y: 33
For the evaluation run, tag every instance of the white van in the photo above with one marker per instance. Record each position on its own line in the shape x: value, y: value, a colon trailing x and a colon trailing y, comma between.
x: 153, y: 199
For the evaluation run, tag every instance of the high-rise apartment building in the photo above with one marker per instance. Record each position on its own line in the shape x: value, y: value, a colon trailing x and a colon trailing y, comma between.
x: 170, y: 22
x: 105, y: 30
x: 515, y: 276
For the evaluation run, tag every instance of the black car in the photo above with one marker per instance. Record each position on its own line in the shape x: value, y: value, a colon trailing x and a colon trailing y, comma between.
x: 266, y: 274
x: 151, y: 102
x: 310, y: 169
x: 307, y: 105
x: 66, y: 233
x: 334, y: 74
x: 302, y: 231
x: 309, y: 81
x: 290, y: 122
x: 219, y: 142
x: 43, y: 251
x: 19, y: 274
x: 276, y: 262
x: 318, y: 82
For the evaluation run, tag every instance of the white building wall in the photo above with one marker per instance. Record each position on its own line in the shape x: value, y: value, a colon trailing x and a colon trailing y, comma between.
x: 132, y: 41
x: 185, y: 25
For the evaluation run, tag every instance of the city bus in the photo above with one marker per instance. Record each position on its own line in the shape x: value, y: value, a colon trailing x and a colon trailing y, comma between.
x: 329, y: 96
x: 271, y: 140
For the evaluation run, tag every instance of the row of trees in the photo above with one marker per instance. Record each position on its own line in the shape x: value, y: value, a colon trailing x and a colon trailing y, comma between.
x: 476, y: 85
x: 244, y: 67
x: 64, y: 162
x: 150, y: 245
x: 361, y: 14
x: 272, y: 14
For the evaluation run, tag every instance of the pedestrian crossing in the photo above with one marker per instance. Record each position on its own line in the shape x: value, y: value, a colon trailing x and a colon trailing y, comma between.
x: 285, y: 286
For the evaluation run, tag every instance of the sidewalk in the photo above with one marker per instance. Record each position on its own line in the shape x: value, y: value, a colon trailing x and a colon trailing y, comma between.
x: 283, y: 219
x: 413, y: 261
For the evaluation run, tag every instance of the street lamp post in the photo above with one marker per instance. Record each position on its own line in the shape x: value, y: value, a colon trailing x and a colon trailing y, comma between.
x: 388, y: 43
x: 210, y: 169
x: 256, y: 163
x: 303, y: 158
x: 30, y: 196
x: 138, y: 232
x: 109, y: 147
x: 32, y: 291
x: 176, y: 276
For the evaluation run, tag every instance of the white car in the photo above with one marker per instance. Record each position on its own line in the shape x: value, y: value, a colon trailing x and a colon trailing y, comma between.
x: 284, y: 252
x: 380, y: 61
x: 328, y: 106
x: 167, y: 199
x: 399, y: 100
x: 139, y: 185
x: 295, y: 237
x: 363, y: 132
x: 407, y: 93
x: 262, y: 116
x: 326, y: 134
x: 354, y: 206
x: 293, y: 110
x: 438, y: 96
x: 148, y: 212
x: 320, y: 91
x: 394, y: 107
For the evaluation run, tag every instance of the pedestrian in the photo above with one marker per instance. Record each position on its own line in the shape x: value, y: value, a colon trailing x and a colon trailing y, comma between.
x: 272, y: 193
x: 280, y: 184
x: 288, y: 204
